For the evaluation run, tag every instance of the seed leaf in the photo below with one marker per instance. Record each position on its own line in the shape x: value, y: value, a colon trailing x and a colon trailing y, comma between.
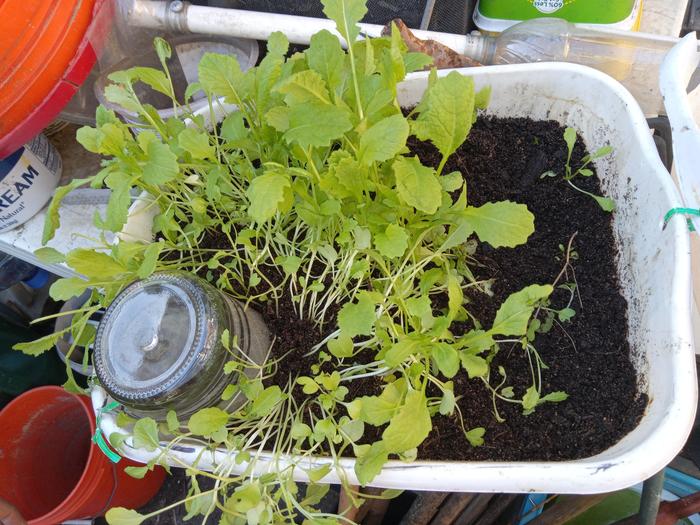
x: 357, y: 318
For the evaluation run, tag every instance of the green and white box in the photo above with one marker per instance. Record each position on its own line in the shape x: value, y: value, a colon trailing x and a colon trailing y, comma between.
x: 494, y: 16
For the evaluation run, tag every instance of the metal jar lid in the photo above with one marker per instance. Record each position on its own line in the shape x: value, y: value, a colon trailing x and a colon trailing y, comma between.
x: 158, y: 345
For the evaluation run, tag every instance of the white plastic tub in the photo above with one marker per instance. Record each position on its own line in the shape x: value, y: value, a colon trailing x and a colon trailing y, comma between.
x: 654, y: 268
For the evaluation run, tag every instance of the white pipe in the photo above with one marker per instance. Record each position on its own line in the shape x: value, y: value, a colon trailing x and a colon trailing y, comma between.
x: 182, y: 17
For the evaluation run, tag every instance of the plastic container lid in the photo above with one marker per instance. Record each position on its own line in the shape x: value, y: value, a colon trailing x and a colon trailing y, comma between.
x: 152, y: 339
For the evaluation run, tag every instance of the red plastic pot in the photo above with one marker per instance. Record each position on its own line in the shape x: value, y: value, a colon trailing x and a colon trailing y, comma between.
x: 50, y: 468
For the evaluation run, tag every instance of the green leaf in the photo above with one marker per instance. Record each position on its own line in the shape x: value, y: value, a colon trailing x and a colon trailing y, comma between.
x: 233, y: 127
x: 502, y: 223
x: 417, y: 61
x: 266, y: 401
x: 530, y: 399
x: 38, y: 346
x: 353, y: 429
x: 409, y: 345
x: 482, y: 98
x: 341, y: 346
x: 122, y: 516
x: 515, y: 312
x: 474, y: 365
x: 309, y: 386
x: 476, y: 436
x: 565, y: 314
x: 346, y: 14
x: 417, y: 185
x: 229, y: 392
x: 570, y: 139
x: 161, y: 166
x: 446, y: 358
x: 64, y: 289
x: 452, y: 181
x: 154, y: 78
x: 49, y: 255
x: 319, y: 473
x: 555, y: 397
x: 207, y: 421
x: 197, y: 143
x: 136, y: 472
x: 392, y: 242
x: 146, y: 434
x: 606, y: 203
x: 266, y: 193
x: 150, y: 259
x: 120, y: 96
x: 421, y: 308
x: 357, y: 318
x: 384, y: 140
x: 448, y: 403
x: 302, y: 87
x: 278, y: 118
x: 119, y: 201
x: 446, y: 118
x: 93, y: 264
x: 52, y: 221
x: 315, y: 124
x: 378, y: 410
x: 124, y: 420
x: 369, y: 464
x: 326, y: 57
x: 172, y: 421
x: 410, y: 426
x: 222, y: 75
x: 602, y: 152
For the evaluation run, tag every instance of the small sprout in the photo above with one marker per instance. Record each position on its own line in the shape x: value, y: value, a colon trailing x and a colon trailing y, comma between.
x: 606, y: 203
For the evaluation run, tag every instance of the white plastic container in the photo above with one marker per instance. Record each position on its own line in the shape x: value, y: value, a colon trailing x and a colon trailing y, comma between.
x: 654, y: 268
x: 27, y: 180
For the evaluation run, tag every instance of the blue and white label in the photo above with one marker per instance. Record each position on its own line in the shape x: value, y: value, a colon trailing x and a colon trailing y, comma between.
x: 28, y: 178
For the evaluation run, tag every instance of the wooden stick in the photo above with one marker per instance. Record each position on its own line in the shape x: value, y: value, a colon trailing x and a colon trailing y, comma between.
x: 451, y: 509
x: 474, y: 510
x: 498, y: 505
x: 424, y: 508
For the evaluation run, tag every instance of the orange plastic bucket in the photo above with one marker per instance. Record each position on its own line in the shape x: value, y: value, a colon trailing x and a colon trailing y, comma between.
x: 44, y: 57
x: 50, y: 468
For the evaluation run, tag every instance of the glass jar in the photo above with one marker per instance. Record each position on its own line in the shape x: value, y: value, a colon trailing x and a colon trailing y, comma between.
x: 159, y: 346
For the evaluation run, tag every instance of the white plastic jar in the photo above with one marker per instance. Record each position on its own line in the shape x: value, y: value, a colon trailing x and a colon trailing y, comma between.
x: 28, y: 178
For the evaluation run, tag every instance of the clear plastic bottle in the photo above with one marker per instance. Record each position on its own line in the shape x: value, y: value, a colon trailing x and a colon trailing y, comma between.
x: 632, y: 58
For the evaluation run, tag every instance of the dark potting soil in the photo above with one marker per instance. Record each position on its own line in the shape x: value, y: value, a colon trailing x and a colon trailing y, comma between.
x: 587, y: 357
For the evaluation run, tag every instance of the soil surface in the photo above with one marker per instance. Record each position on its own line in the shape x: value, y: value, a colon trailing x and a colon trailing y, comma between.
x: 588, y: 357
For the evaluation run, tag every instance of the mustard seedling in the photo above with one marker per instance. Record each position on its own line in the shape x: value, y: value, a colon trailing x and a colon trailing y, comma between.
x: 606, y: 203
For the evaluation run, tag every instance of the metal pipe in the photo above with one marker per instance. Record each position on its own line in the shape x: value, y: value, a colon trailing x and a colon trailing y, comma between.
x: 651, y: 498
x: 179, y: 16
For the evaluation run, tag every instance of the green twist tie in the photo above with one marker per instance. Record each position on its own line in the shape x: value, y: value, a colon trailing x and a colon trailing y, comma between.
x: 682, y: 211
x: 99, y: 439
